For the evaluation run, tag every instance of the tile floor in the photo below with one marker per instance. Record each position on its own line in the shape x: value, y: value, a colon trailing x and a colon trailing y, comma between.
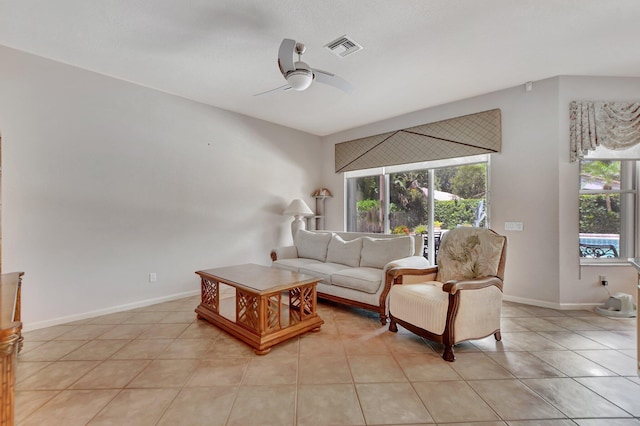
x: 159, y: 366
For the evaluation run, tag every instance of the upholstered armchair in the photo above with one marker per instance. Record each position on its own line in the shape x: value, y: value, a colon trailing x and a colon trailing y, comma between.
x: 460, y: 298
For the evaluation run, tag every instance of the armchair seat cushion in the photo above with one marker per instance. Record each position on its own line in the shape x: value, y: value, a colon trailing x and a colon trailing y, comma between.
x: 367, y: 280
x: 423, y: 305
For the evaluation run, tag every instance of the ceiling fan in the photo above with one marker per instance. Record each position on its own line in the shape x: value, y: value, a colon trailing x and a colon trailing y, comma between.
x: 300, y: 75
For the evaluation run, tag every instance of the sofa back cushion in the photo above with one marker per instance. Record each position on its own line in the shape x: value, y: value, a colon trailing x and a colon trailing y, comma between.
x: 378, y: 252
x: 344, y: 252
x: 312, y: 245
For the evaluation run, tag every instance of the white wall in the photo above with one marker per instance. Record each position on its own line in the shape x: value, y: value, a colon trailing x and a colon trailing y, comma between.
x: 531, y: 182
x: 105, y: 181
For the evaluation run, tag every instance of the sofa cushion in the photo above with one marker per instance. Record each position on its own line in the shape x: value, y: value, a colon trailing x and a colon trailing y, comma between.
x: 361, y: 279
x: 312, y: 245
x: 294, y: 265
x: 323, y: 270
x: 344, y: 252
x: 377, y: 252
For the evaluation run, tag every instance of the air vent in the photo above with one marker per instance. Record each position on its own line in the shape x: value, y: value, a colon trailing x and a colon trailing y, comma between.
x: 343, y: 46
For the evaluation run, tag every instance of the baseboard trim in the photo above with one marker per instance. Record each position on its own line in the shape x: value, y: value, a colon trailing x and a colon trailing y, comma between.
x: 91, y: 314
x: 552, y: 305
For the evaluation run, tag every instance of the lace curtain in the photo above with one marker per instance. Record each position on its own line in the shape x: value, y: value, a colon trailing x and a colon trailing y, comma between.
x: 613, y: 125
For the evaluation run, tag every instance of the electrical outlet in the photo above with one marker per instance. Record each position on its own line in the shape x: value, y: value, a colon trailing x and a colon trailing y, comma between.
x: 513, y: 226
x: 153, y: 277
x: 603, y: 280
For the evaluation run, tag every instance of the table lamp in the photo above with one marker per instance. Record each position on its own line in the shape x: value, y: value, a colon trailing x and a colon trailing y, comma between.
x: 297, y: 208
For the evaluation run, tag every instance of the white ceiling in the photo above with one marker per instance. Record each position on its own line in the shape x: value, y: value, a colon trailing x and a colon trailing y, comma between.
x: 417, y: 53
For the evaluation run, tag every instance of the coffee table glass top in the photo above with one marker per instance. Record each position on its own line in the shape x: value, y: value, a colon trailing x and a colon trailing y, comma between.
x: 258, y: 278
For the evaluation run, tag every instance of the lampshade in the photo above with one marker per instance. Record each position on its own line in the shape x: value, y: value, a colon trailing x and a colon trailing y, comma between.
x: 298, y: 208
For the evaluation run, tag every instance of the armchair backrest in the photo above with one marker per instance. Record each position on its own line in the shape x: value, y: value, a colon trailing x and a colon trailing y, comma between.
x: 467, y: 253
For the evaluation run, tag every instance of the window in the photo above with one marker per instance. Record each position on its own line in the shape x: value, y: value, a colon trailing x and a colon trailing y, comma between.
x: 423, y: 198
x: 607, y: 210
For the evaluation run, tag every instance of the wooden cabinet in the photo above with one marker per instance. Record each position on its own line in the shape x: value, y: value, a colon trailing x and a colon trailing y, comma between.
x: 10, y: 342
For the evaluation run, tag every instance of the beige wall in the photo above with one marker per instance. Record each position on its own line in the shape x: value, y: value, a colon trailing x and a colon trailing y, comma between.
x: 531, y: 182
x: 105, y: 181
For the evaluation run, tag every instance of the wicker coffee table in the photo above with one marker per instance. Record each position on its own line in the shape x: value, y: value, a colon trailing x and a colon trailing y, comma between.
x: 271, y: 305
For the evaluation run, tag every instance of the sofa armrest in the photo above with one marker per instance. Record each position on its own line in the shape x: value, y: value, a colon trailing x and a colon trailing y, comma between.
x: 414, y: 265
x: 452, y: 286
x: 286, y: 252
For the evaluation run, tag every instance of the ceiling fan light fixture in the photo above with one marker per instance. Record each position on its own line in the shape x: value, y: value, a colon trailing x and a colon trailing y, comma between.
x: 300, y: 79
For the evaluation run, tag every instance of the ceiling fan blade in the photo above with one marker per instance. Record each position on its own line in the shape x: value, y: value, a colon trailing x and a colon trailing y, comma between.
x: 285, y: 56
x: 283, y: 88
x: 331, y: 79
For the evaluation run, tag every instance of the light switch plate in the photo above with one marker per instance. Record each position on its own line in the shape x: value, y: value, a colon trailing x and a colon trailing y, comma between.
x: 513, y: 226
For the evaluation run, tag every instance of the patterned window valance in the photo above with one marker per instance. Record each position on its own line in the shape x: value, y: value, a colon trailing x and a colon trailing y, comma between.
x: 613, y: 125
x: 473, y: 134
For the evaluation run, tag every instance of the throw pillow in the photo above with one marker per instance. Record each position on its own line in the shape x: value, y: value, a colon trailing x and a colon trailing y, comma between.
x: 467, y: 253
x: 313, y: 245
x: 344, y: 252
x: 377, y: 252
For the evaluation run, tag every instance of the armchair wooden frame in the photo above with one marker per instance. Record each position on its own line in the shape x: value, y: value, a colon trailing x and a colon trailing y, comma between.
x: 453, y: 288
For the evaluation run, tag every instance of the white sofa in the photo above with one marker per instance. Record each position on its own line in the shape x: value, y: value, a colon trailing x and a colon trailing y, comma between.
x: 353, y: 265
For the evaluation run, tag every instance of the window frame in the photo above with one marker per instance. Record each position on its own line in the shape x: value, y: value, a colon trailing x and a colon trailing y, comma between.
x: 629, y: 184
x: 384, y: 174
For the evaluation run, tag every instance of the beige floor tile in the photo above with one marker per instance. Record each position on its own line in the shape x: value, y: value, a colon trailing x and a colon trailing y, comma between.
x: 201, y: 330
x: 26, y: 369
x: 571, y: 340
x: 478, y: 366
x: 323, y: 369
x: 329, y: 404
x: 321, y: 344
x: 165, y: 373
x: 26, y: 402
x: 537, y: 324
x: 574, y: 399
x: 610, y: 323
x: 496, y: 423
x: 368, y: 343
x: 71, y: 407
x: 48, y: 333
x: 115, y: 318
x: 540, y: 312
x: 28, y: 345
x: 163, y: 331
x: 634, y: 379
x: 608, y: 422
x: 559, y: 422
x: 96, y: 350
x: 513, y: 324
x: 271, y: 370
x: 613, y: 361
x: 524, y: 365
x: 573, y: 324
x: 513, y: 311
x: 270, y: 405
x: 186, y: 348
x: 111, y: 374
x: 613, y: 339
x: 85, y: 332
x: 375, y: 368
x: 407, y: 343
x: 290, y: 347
x: 453, y: 401
x: 517, y: 341
x: 618, y: 390
x: 57, y: 375
x: 391, y: 403
x: 142, y: 349
x: 512, y: 400
x: 427, y: 367
x: 214, y: 372
x: 200, y: 407
x: 51, y: 351
x: 125, y: 331
x: 228, y: 346
x: 135, y: 407
x: 145, y: 317
x: 572, y: 364
x: 179, y: 318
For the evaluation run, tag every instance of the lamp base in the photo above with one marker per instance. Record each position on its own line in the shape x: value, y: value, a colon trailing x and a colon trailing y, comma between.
x: 296, y: 225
